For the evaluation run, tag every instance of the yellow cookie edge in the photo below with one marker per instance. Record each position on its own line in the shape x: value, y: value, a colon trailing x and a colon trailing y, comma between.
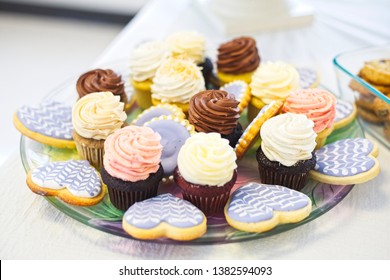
x: 58, y: 143
x: 183, y: 106
x: 65, y: 195
x: 348, y: 120
x: 252, y: 133
x: 279, y: 218
x: 164, y: 230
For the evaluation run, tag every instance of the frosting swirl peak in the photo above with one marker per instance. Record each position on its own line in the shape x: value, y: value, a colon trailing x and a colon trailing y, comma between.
x: 97, y: 115
x: 207, y: 159
x: 317, y: 104
x: 238, y: 56
x: 132, y: 153
x: 189, y: 45
x: 101, y: 80
x: 214, y: 111
x: 288, y: 138
x: 177, y: 80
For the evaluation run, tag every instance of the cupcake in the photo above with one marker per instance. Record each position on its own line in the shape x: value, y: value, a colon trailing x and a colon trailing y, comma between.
x: 191, y: 45
x: 94, y: 117
x: 206, y: 171
x: 98, y: 80
x: 271, y: 81
x: 176, y: 81
x: 144, y: 62
x: 285, y: 155
x: 318, y: 105
x: 131, y: 168
x: 216, y: 111
x: 237, y: 60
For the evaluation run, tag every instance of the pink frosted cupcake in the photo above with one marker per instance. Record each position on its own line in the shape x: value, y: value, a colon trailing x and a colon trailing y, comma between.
x: 132, y: 165
x: 318, y: 105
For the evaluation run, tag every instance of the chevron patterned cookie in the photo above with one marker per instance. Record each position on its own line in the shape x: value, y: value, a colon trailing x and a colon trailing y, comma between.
x: 258, y: 207
x: 345, y: 113
x: 75, y: 182
x: 308, y: 77
x: 347, y: 161
x: 252, y: 131
x: 164, y: 216
x: 49, y: 123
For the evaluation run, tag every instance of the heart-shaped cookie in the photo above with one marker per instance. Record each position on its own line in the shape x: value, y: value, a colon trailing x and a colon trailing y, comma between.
x: 75, y: 182
x: 164, y: 216
x: 49, y: 123
x: 347, y: 161
x: 345, y: 113
x: 258, y: 207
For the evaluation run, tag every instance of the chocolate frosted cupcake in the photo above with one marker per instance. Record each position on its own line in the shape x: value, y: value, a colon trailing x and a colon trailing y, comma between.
x: 132, y: 165
x: 101, y: 80
x: 237, y: 60
x: 216, y: 111
x: 206, y: 171
x: 191, y: 45
x: 286, y: 156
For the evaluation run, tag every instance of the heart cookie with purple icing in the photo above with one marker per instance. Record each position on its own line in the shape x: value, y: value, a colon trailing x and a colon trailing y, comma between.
x: 345, y: 113
x: 164, y: 216
x: 49, y: 123
x: 75, y: 182
x: 258, y: 207
x: 347, y: 161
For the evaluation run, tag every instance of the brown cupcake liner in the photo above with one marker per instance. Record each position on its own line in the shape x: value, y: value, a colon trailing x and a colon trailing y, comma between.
x: 211, y: 200
x: 293, y: 181
x: 124, y: 199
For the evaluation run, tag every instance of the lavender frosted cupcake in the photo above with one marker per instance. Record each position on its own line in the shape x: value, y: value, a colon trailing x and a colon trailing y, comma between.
x: 206, y: 171
x: 286, y: 156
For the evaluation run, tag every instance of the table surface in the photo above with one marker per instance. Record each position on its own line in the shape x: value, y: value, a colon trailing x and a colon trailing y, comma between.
x: 357, y: 228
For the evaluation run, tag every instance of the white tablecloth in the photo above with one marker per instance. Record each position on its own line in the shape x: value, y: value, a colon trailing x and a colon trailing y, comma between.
x: 357, y: 228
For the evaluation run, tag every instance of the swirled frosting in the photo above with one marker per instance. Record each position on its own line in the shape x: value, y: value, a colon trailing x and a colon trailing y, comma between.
x: 238, y: 56
x: 100, y: 80
x: 145, y: 60
x: 288, y: 138
x: 214, y: 111
x: 274, y: 81
x: 188, y: 45
x: 177, y: 80
x: 207, y: 159
x: 97, y: 115
x: 132, y: 153
x: 317, y: 104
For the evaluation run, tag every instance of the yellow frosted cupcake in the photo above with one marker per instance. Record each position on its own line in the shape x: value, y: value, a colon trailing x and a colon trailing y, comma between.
x: 175, y: 82
x: 271, y: 81
x: 237, y: 60
x: 94, y: 117
x: 144, y: 62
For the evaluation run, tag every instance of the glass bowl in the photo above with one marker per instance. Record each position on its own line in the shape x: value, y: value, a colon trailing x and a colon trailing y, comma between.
x: 347, y: 66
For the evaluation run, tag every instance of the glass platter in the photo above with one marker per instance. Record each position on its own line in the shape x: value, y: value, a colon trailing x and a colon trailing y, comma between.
x: 107, y: 218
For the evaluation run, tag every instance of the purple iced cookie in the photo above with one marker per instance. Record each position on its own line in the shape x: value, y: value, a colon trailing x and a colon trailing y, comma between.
x: 308, y: 77
x: 174, y: 132
x: 157, y: 111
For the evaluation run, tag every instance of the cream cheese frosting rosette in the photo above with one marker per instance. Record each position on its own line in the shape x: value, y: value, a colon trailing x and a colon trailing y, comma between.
x: 318, y: 105
x: 188, y: 45
x: 132, y: 165
x: 144, y: 62
x: 206, y: 171
x: 271, y: 81
x: 94, y: 117
x: 176, y: 81
x: 285, y: 155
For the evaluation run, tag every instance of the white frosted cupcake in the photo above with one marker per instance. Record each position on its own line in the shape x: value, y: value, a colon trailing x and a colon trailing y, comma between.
x: 144, y: 62
x: 94, y: 117
x: 271, y: 81
x: 176, y: 81
x: 206, y: 171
